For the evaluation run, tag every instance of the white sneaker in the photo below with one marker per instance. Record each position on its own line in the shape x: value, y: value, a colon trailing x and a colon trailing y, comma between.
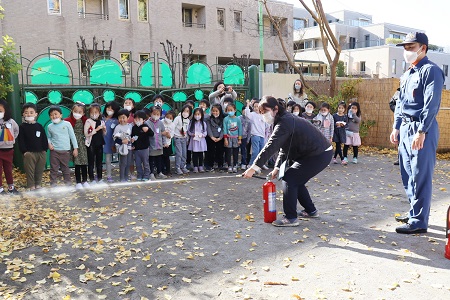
x: 152, y: 177
x: 243, y: 167
x: 78, y: 186
x: 230, y: 170
x: 161, y: 176
x: 101, y: 181
x: 264, y: 167
x: 234, y: 169
x: 93, y: 182
x: 86, y: 185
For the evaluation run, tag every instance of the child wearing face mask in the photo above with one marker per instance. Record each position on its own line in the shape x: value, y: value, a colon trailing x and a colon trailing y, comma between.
x: 122, y: 139
x: 309, y: 111
x: 158, y: 101
x: 60, y: 137
x: 77, y: 119
x: 181, y: 124
x: 129, y: 105
x: 94, y: 130
x: 140, y: 134
x: 214, y: 140
x: 156, y: 143
x: 197, y: 143
x: 246, y: 129
x: 232, y: 134
x: 33, y: 145
x: 352, y: 132
x: 297, y: 110
x: 110, y: 118
x: 167, y: 141
x: 325, y: 121
x: 339, y: 137
x: 299, y: 96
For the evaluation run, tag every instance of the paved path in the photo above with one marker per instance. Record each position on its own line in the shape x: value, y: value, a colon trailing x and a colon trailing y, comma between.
x: 203, y: 237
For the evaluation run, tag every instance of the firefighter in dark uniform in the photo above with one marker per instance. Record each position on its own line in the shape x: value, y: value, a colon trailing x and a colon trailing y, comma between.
x: 415, y: 120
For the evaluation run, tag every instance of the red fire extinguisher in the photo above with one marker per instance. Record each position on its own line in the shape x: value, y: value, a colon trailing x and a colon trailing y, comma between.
x: 447, y: 235
x: 269, y: 195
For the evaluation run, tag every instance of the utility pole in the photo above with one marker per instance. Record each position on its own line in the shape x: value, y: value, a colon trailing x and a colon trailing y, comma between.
x: 261, y: 46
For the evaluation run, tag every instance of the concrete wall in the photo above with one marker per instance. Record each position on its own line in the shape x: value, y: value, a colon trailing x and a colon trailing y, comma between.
x: 278, y: 85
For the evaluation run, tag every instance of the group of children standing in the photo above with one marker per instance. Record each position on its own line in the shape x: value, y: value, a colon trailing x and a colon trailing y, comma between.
x: 341, y: 128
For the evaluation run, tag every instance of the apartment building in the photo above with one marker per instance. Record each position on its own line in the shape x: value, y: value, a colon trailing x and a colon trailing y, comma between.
x: 216, y: 29
x: 368, y: 49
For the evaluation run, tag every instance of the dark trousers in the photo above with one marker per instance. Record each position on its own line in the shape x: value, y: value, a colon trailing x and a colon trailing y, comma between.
x: 95, y: 158
x: 155, y: 163
x: 243, y: 148
x: 338, y: 150
x: 295, y: 179
x: 249, y: 148
x: 197, y: 159
x: 188, y: 155
x: 81, y: 173
x: 6, y: 165
x: 355, y: 151
x: 167, y: 152
x: 235, y: 153
x: 417, y: 168
x: 214, y: 153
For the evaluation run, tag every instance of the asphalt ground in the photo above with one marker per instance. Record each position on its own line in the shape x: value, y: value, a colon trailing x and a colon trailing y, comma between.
x: 202, y: 236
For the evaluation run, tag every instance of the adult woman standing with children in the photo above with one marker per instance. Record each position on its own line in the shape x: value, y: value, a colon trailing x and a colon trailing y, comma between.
x: 308, y: 153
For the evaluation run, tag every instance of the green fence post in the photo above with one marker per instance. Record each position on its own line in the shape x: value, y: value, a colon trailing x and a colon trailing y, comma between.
x: 13, y: 99
x: 253, y: 82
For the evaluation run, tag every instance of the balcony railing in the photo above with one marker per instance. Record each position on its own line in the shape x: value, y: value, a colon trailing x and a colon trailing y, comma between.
x: 84, y: 15
x: 195, y: 25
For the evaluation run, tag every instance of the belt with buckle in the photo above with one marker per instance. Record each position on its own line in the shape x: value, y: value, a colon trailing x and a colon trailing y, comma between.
x: 408, y: 119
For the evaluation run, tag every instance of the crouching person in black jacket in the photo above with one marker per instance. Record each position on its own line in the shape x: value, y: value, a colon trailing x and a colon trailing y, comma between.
x: 302, y: 148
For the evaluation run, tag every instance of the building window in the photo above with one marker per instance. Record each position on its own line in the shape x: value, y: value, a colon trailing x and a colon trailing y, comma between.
x: 58, y: 54
x: 445, y: 69
x: 237, y: 21
x: 394, y: 66
x: 352, y: 43
x: 187, y: 17
x: 367, y: 40
x: 143, y: 10
x: 299, y: 24
x: 81, y: 7
x: 124, y: 10
x: 362, y: 67
x: 221, y: 18
x: 54, y: 7
x: 144, y: 56
x: 125, y: 61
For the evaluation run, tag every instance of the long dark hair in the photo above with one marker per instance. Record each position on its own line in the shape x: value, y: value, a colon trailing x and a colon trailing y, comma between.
x: 271, y: 102
x: 114, y: 106
x: 183, y: 108
x: 8, y: 112
x: 192, y: 124
x: 217, y: 84
x: 358, y: 112
x: 219, y: 108
x: 301, y: 89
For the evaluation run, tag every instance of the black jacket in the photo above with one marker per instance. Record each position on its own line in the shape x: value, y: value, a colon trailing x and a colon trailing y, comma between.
x: 143, y: 141
x: 307, y: 140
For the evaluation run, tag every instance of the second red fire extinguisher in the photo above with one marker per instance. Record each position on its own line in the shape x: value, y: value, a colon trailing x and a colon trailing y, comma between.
x: 269, y: 195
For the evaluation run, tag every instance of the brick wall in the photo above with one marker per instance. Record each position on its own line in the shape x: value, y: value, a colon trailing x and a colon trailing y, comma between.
x: 374, y: 96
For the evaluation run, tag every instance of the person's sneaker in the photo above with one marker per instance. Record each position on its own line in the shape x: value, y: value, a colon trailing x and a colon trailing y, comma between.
x: 334, y: 161
x: 230, y: 170
x: 409, y: 229
x: 185, y: 171
x: 201, y: 169
x: 101, y: 182
x: 12, y: 190
x: 133, y: 177
x: 284, y: 222
x: 86, y: 184
x: 243, y: 167
x: 3, y: 192
x: 344, y: 162
x: 208, y: 169
x: 145, y: 179
x: 195, y: 170
x: 152, y: 176
x: 78, y: 186
x: 304, y: 214
x: 188, y: 166
x: 396, y: 163
x: 93, y: 182
x: 161, y: 176
x: 179, y: 171
x: 234, y: 169
x: 355, y: 160
x: 110, y: 180
x: 264, y: 167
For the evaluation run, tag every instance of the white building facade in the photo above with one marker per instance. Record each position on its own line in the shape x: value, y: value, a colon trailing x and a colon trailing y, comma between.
x: 368, y: 50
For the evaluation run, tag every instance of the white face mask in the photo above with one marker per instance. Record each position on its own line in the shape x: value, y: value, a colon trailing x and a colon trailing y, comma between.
x: 308, y: 110
x: 2, y: 115
x: 268, y: 118
x: 158, y: 104
x: 95, y: 116
x: 324, y: 114
x: 296, y: 113
x: 185, y: 115
x: 77, y: 116
x: 109, y: 112
x: 156, y: 118
x: 298, y: 87
x: 168, y: 121
x: 56, y: 121
x: 29, y: 119
x: 197, y: 117
x: 138, y: 123
x: 411, y: 56
x: 128, y: 107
